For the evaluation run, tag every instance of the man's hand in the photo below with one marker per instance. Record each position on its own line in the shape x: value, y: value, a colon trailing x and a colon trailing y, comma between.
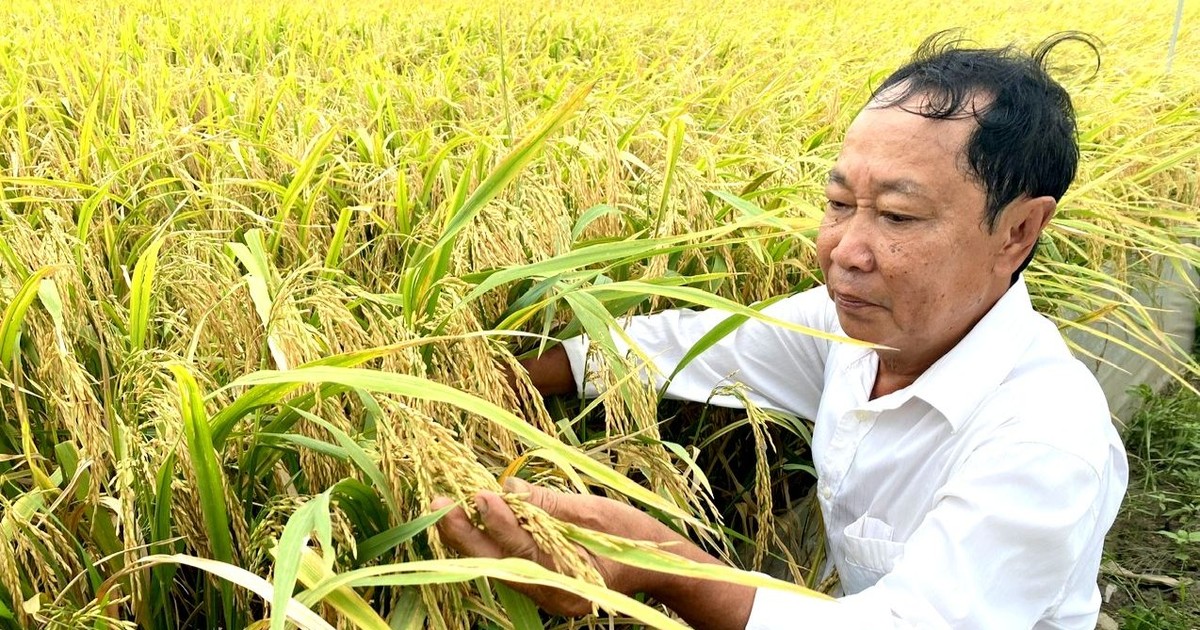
x: 704, y: 604
x: 503, y: 537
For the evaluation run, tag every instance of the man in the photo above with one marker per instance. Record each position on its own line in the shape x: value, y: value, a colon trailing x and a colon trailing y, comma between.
x: 968, y: 472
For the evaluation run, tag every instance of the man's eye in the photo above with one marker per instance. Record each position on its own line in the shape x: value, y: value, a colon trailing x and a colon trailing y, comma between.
x: 892, y: 217
x: 837, y: 205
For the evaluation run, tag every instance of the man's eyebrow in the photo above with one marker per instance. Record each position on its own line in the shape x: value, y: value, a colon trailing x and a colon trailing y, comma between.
x: 901, y: 185
x: 904, y: 186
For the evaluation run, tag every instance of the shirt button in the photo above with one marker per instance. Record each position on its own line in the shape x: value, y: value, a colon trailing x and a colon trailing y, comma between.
x: 862, y: 416
x: 826, y: 493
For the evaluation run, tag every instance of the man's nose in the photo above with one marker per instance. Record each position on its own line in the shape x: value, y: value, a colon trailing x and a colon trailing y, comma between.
x: 852, y: 250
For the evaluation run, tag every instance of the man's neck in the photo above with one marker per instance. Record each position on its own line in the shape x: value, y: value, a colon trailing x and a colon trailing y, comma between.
x: 886, y: 383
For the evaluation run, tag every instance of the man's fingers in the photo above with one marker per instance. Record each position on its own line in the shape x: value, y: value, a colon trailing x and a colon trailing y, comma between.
x: 458, y: 532
x: 502, y: 528
x: 501, y: 525
x: 516, y: 485
x: 546, y: 499
x: 503, y: 537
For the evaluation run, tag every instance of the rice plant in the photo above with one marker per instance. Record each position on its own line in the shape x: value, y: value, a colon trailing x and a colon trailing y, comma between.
x: 266, y: 267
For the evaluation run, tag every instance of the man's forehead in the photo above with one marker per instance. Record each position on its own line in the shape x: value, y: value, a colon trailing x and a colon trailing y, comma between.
x: 899, y: 138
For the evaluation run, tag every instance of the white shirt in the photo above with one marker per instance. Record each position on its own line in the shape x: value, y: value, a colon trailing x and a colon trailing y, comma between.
x: 977, y: 497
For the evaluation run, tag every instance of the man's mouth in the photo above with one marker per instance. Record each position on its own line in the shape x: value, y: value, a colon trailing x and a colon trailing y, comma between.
x: 851, y: 301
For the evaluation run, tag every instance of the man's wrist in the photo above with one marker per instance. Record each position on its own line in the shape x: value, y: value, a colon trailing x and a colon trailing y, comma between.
x: 705, y: 604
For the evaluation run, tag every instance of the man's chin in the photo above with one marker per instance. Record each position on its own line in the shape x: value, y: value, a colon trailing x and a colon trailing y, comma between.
x: 862, y: 329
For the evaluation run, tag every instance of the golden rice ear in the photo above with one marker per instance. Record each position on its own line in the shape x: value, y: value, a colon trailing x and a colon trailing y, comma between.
x: 550, y: 535
x: 761, y: 508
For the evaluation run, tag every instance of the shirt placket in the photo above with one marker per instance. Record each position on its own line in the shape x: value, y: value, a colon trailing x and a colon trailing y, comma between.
x: 852, y: 427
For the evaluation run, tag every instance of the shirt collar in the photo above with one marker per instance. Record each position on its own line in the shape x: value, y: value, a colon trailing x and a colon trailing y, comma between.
x: 958, y: 382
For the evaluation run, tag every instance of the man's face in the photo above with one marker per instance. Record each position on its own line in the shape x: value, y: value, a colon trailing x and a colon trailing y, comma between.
x: 907, y: 257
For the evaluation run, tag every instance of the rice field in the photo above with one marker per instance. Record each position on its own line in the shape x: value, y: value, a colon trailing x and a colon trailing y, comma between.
x: 264, y: 267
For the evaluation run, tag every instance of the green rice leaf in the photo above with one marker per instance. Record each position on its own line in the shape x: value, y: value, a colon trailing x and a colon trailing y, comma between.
x: 14, y: 314
x: 260, y: 276
x: 160, y: 531
x: 675, y: 133
x: 703, y: 298
x: 718, y: 332
x: 261, y: 395
x: 361, y: 505
x: 313, y: 157
x: 410, y: 612
x: 223, y: 421
x: 360, y: 458
x: 384, y: 542
x: 52, y: 302
x: 594, y: 318
x: 639, y: 555
x: 313, y: 444
x: 569, y: 261
x: 589, y: 216
x: 295, y: 611
x: 750, y: 209
x: 313, y: 570
x: 521, y: 610
x: 313, y: 516
x: 210, y: 481
x: 334, y: 256
x: 508, y: 569
x: 614, y: 252
x: 24, y: 507
x: 511, y: 166
x: 141, y: 295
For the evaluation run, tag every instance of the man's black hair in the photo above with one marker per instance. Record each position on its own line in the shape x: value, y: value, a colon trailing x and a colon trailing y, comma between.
x: 1025, y: 142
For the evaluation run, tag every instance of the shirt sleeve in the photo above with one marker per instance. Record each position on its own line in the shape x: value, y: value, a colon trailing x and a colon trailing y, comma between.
x: 783, y: 369
x: 1004, y: 538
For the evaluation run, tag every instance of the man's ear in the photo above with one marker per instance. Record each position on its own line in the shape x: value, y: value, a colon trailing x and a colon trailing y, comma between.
x: 1021, y: 224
